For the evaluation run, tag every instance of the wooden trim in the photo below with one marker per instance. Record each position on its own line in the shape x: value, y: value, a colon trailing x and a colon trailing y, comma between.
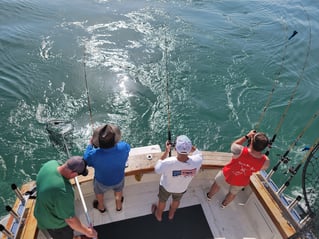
x: 30, y: 222
x: 140, y: 164
x: 29, y: 227
x: 277, y: 215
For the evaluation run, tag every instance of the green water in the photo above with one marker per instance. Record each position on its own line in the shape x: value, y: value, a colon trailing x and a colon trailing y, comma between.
x: 213, y: 64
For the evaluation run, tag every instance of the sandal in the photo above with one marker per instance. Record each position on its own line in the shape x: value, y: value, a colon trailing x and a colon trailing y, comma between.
x: 96, y: 204
x: 120, y: 209
x: 207, y: 197
x: 222, y: 206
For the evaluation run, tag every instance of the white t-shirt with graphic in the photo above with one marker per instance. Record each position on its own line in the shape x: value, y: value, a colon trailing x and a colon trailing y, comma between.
x: 177, y: 175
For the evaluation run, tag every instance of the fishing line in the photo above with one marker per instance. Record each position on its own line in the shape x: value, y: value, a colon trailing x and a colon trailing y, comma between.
x: 295, y: 89
x: 284, y: 158
x: 293, y: 170
x: 283, y: 58
x: 169, y: 135
x: 88, y: 94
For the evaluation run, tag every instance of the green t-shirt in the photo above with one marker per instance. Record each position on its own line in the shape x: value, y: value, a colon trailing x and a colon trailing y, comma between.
x: 55, y: 198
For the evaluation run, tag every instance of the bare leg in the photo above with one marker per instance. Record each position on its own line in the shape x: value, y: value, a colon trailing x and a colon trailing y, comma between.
x: 159, y: 210
x: 172, y: 209
x: 100, y: 199
x: 213, y: 190
x: 229, y: 197
x: 118, y: 200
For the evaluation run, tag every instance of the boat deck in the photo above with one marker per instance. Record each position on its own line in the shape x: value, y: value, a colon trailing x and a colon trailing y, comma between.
x: 221, y: 221
x: 253, y: 213
x: 241, y: 219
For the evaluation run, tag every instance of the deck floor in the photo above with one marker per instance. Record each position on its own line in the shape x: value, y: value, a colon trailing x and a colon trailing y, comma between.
x: 231, y: 222
x: 147, y: 226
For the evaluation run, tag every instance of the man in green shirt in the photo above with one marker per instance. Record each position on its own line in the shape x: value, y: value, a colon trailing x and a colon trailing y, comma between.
x: 54, y: 208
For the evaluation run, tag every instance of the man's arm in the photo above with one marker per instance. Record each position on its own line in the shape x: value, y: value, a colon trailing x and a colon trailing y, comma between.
x: 237, y: 145
x: 76, y: 225
x: 266, y: 164
x: 167, y: 150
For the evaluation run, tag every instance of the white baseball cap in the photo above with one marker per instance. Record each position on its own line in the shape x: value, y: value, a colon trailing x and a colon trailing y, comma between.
x: 183, y: 144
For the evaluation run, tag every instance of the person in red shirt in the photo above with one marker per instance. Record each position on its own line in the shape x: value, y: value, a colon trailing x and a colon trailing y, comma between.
x: 246, y: 160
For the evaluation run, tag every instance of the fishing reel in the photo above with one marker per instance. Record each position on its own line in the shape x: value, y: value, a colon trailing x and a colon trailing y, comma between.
x: 284, y: 159
x: 172, y: 144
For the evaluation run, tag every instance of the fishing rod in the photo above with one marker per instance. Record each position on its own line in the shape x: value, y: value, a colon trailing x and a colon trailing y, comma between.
x: 295, y: 89
x: 293, y: 170
x: 68, y: 153
x: 88, y: 94
x: 169, y: 135
x: 276, y: 79
x: 63, y: 129
x: 89, y: 221
x: 284, y: 158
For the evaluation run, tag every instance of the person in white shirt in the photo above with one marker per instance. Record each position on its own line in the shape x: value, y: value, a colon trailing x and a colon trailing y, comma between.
x: 176, y: 174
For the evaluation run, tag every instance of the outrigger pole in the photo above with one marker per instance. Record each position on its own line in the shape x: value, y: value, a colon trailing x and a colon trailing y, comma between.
x: 169, y: 135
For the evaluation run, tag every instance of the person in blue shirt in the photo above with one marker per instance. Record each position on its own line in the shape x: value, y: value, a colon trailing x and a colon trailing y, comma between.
x: 108, y: 155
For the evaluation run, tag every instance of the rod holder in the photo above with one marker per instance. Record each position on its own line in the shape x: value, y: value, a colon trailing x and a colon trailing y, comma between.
x: 5, y: 231
x: 294, y: 202
x: 13, y: 213
x: 283, y: 187
x: 305, y: 220
x: 18, y: 193
x: 268, y: 176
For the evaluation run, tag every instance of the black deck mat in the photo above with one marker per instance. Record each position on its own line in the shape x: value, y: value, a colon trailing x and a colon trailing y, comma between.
x: 189, y: 223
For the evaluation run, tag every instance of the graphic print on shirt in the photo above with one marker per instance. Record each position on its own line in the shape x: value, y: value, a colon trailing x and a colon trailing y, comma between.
x: 243, y: 168
x: 184, y: 172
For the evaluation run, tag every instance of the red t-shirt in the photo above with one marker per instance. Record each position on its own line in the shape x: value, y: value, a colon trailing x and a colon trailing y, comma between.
x: 239, y: 170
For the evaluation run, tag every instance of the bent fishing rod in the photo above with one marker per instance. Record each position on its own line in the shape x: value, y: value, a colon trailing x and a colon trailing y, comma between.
x: 284, y: 158
x: 284, y: 55
x: 169, y: 135
x: 88, y: 94
x: 283, y: 116
x: 275, y: 83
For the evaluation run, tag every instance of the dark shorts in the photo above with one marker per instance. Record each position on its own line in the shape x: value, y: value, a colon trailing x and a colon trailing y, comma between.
x: 163, y: 195
x: 61, y: 233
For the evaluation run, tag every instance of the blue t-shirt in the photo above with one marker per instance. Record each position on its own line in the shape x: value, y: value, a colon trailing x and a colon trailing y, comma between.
x: 108, y: 164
